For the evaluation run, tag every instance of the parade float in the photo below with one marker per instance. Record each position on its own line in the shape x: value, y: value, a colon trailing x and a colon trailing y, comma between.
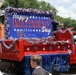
x: 31, y: 31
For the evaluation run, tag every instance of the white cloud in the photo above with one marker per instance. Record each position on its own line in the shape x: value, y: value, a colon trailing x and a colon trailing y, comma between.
x: 73, y: 7
x: 68, y: 11
x: 65, y: 8
x: 64, y: 12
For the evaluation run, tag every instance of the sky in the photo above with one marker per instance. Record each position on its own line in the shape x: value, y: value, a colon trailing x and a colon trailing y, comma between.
x: 65, y: 8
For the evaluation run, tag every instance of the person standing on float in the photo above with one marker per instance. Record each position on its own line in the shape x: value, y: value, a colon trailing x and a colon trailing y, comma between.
x: 1, y: 11
x: 1, y: 3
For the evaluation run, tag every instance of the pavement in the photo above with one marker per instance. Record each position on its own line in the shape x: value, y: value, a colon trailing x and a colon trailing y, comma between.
x: 67, y: 74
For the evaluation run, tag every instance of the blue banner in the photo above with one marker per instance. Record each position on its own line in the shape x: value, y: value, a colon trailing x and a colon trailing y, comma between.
x: 29, y: 25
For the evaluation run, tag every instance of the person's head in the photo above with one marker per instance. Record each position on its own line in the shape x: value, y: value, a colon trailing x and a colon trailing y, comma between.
x: 1, y: 2
x: 35, y: 60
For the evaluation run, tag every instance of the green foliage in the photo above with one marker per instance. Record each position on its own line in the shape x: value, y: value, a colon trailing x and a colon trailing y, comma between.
x: 68, y: 22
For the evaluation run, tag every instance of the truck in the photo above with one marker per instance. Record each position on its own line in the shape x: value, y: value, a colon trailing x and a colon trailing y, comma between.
x: 30, y: 31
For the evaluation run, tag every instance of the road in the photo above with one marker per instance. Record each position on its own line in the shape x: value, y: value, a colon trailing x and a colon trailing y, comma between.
x: 55, y: 74
x: 71, y: 72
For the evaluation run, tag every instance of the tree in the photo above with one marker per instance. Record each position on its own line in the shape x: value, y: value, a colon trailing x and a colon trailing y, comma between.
x: 47, y: 6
